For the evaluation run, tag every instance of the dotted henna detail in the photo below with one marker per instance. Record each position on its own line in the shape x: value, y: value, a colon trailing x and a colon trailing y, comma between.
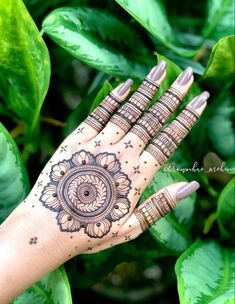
x: 89, y: 192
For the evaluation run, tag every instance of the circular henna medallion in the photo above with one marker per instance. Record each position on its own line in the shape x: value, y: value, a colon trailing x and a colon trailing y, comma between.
x: 87, y: 192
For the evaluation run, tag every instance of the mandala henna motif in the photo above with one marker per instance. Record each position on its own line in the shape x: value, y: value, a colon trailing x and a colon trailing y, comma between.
x: 89, y: 192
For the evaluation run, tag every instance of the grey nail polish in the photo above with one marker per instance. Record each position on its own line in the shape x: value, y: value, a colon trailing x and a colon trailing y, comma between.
x: 157, y: 71
x: 200, y: 100
x: 124, y: 87
x: 187, y: 190
x: 185, y: 76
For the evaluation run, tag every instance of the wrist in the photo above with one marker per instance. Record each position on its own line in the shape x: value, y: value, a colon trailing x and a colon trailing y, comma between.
x: 31, y: 246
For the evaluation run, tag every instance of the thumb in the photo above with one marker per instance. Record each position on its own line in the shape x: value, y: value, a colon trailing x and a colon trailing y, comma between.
x: 157, y: 206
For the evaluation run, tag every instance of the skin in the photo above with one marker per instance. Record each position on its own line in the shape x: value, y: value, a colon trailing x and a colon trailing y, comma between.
x: 33, y: 242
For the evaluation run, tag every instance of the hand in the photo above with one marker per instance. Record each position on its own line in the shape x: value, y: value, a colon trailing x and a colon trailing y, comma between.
x: 93, y: 182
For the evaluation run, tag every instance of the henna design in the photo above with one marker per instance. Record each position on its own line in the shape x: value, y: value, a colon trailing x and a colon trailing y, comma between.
x: 137, y: 191
x: 152, y: 121
x: 33, y: 240
x: 128, y: 144
x: 136, y: 169
x: 63, y: 148
x: 154, y: 209
x: 127, y: 238
x: 97, y: 143
x: 39, y: 184
x: 114, y: 234
x: 127, y: 115
x: 80, y: 130
x: 100, y: 116
x: 89, y: 192
x: 170, y: 137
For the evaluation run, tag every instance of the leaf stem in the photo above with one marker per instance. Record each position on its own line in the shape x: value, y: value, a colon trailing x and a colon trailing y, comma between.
x: 52, y: 121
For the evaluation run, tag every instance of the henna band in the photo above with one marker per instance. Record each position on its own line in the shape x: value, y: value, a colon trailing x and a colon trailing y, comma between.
x: 100, y: 116
x: 170, y: 137
x: 152, y: 121
x: 127, y: 115
x: 154, y: 209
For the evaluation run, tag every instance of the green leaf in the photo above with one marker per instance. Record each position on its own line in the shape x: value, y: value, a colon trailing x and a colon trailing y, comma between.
x: 151, y: 15
x: 205, y: 274
x: 24, y: 63
x: 52, y: 289
x: 100, y: 40
x: 87, y: 105
x: 14, y: 182
x: 220, y: 125
x: 172, y: 231
x: 226, y: 210
x: 220, y: 19
x: 220, y: 68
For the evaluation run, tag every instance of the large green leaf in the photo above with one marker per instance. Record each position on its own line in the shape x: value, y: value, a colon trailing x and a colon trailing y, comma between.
x: 52, y: 289
x: 221, y: 126
x: 24, y: 63
x: 151, y: 15
x: 100, y: 40
x: 172, y: 231
x: 226, y: 210
x: 205, y: 274
x: 220, y: 19
x: 220, y: 68
x: 14, y: 183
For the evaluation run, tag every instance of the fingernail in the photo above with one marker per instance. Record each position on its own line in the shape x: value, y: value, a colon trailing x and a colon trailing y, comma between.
x: 157, y: 71
x: 187, y: 190
x: 123, y: 88
x: 200, y: 100
x: 185, y: 76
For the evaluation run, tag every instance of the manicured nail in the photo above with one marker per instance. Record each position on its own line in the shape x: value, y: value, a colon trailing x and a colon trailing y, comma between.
x: 200, y: 100
x: 187, y: 190
x: 157, y: 71
x: 185, y: 76
x: 123, y: 88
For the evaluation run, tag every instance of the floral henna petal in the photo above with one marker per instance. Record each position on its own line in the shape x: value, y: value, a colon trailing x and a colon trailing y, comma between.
x: 99, y: 229
x: 67, y: 222
x: 59, y: 170
x: 82, y: 158
x: 120, y: 209
x: 122, y: 183
x: 49, y: 198
x: 108, y: 161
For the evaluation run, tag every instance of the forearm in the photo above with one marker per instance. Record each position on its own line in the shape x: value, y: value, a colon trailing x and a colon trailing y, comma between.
x: 30, y: 247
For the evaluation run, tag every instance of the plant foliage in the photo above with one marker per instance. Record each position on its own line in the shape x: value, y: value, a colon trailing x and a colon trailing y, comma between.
x: 93, y: 46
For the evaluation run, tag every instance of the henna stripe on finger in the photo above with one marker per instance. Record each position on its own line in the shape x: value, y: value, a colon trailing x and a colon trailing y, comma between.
x: 127, y: 115
x: 153, y: 120
x: 154, y: 209
x: 100, y: 116
x: 162, y: 146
